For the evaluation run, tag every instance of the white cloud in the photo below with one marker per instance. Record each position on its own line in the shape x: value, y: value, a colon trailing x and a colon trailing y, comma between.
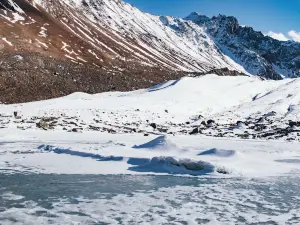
x: 277, y: 36
x: 295, y: 35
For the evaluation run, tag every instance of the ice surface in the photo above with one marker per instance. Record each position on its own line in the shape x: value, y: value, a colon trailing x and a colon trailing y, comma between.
x: 150, y: 200
x: 11, y: 197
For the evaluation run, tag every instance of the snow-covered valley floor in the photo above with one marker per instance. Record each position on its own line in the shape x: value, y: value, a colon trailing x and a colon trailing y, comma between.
x: 58, y: 177
x: 60, y: 152
x: 209, y: 125
x: 240, y: 107
x: 207, y: 150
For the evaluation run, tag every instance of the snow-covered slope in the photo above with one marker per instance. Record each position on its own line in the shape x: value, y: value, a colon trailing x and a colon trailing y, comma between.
x: 67, y: 46
x: 244, y: 107
x: 129, y: 35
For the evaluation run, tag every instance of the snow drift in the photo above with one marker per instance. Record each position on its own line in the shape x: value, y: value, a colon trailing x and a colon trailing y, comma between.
x: 173, y: 165
x: 159, y: 164
x: 159, y: 143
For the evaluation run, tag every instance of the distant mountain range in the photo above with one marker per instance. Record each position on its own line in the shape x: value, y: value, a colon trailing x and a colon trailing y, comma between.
x: 53, y: 48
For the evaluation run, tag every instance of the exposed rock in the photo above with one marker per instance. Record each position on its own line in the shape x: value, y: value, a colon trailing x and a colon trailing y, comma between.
x: 294, y: 124
x: 42, y: 125
x: 258, y: 53
x: 153, y: 125
x: 94, y: 128
x: 42, y: 58
x: 220, y: 72
x: 203, y: 123
x: 194, y: 131
x: 210, y: 123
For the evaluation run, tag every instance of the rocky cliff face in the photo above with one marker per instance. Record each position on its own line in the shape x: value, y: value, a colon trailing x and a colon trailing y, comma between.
x: 257, y: 53
x: 53, y: 48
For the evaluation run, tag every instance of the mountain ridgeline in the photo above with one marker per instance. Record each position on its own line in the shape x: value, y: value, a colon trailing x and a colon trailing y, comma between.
x: 53, y: 48
x: 257, y: 53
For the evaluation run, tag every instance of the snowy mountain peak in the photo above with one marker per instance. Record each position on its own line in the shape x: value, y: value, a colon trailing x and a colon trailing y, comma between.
x: 257, y: 53
x: 197, y: 18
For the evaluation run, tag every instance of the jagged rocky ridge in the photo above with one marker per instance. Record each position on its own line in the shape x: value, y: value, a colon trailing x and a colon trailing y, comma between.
x: 257, y: 53
x: 53, y: 48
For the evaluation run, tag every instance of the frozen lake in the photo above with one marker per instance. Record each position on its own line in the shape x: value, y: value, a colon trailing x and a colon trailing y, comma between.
x: 134, y: 199
x: 91, y: 178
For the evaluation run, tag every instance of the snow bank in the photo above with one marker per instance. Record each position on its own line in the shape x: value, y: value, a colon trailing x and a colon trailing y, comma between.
x: 160, y: 164
x: 163, y: 85
x: 91, y: 153
x: 172, y: 165
x: 159, y: 143
x: 218, y: 152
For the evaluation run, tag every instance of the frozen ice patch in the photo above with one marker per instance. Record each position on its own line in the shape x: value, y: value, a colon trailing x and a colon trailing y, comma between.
x: 11, y: 197
x: 167, y: 200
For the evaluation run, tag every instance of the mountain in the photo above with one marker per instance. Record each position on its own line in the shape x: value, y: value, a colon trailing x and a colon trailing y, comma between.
x: 53, y: 48
x: 257, y: 53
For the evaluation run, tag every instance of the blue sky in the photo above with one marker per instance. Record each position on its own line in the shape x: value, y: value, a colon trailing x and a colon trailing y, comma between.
x: 277, y: 16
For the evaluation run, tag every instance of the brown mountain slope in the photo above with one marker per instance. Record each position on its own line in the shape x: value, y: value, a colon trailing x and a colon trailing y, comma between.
x: 36, y: 65
x: 53, y: 48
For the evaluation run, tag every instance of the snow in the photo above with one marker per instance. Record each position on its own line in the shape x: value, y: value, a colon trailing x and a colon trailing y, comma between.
x: 81, y: 59
x: 160, y: 143
x: 16, y: 6
x: 94, y: 54
x: 146, y: 132
x: 204, y: 90
x: 65, y: 48
x: 210, y: 96
x: 150, y: 38
x: 43, y: 31
x: 7, y: 42
x: 219, y: 180
x: 90, y: 153
x: 18, y: 57
x: 117, y: 29
x: 17, y: 17
x: 29, y: 149
x: 42, y: 43
x: 70, y: 57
